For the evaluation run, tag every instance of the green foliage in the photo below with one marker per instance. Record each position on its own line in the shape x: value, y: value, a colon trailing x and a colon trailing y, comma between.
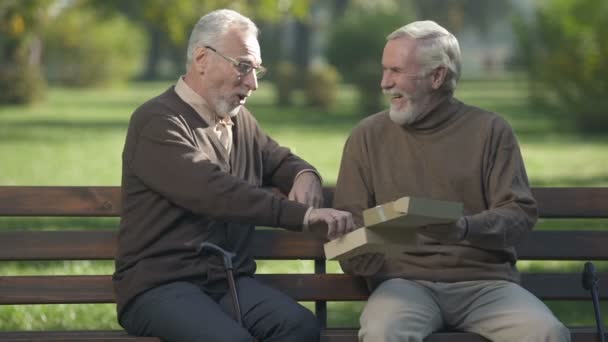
x: 84, y: 49
x: 456, y: 15
x: 355, y: 48
x: 564, y: 51
x: 322, y: 86
x: 21, y: 80
x: 285, y: 80
x: 176, y: 18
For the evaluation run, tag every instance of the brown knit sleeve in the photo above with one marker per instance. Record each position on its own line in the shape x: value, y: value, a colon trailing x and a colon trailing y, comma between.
x: 353, y: 194
x: 512, y: 210
x: 166, y: 160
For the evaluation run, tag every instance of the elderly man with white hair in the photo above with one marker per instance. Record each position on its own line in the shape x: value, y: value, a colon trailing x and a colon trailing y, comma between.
x: 429, y: 144
x: 194, y: 162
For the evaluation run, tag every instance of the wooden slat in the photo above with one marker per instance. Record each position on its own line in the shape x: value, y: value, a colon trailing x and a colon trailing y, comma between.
x: 73, y: 335
x: 101, y: 245
x: 277, y: 244
x: 328, y: 335
x: 59, y: 201
x: 585, y: 202
x: 564, y: 245
x: 304, y: 287
x: 57, y: 245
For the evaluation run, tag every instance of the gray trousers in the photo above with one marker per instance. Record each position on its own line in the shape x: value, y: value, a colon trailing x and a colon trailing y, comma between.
x: 404, y: 310
x: 182, y: 311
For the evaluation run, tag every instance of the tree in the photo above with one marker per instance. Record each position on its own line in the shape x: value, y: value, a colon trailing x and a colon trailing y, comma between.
x: 455, y: 14
x: 564, y: 51
x: 355, y: 48
x: 168, y: 23
x: 21, y: 79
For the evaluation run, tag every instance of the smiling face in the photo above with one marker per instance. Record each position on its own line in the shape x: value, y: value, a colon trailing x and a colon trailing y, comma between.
x: 402, y: 80
x: 217, y: 80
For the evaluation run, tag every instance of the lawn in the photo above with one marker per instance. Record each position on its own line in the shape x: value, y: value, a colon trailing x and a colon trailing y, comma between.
x: 76, y: 137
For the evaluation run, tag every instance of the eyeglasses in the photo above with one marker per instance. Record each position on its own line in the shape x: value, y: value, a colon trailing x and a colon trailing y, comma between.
x: 243, y: 68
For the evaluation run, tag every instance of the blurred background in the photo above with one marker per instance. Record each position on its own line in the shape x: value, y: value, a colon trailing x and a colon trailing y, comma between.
x: 72, y: 72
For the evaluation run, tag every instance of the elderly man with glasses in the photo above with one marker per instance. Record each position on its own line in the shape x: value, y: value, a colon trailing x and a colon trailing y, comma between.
x: 194, y: 162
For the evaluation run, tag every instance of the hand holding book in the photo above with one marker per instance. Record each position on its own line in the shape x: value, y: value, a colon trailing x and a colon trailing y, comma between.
x: 446, y: 233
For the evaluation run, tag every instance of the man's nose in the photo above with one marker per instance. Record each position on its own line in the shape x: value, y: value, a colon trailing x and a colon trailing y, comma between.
x: 387, y: 81
x: 250, y: 80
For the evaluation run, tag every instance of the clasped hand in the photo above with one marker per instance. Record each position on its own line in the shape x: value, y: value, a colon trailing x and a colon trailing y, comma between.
x: 447, y: 233
x: 307, y: 190
x: 338, y: 222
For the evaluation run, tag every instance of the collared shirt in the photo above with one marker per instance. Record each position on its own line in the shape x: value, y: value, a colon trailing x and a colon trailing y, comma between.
x: 222, y: 127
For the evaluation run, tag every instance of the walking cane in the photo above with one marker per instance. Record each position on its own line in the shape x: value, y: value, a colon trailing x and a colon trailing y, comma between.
x: 590, y: 283
x: 227, y: 256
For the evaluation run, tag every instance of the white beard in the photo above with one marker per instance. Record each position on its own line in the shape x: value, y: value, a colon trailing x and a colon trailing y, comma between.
x: 223, y: 109
x: 404, y: 117
x: 418, y: 102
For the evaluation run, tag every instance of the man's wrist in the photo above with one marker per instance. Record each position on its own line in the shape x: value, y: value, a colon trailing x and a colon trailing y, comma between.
x: 305, y: 224
x: 313, y: 171
x: 465, y: 224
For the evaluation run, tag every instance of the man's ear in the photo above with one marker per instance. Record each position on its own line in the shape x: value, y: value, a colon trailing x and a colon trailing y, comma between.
x: 199, y: 60
x: 438, y: 76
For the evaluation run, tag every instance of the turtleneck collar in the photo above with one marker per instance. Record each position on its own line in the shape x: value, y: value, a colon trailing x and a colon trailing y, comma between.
x: 445, y: 111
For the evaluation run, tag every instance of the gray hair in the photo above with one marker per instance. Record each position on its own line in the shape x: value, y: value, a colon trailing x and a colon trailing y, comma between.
x: 211, y: 28
x: 437, y: 47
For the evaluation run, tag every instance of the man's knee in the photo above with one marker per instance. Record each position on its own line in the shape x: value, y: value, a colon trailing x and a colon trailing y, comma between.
x: 535, y: 328
x: 388, y: 330
x: 301, y: 324
x: 550, y: 330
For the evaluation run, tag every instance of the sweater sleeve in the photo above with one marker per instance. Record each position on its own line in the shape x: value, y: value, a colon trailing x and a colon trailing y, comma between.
x: 512, y: 210
x: 168, y: 161
x: 280, y: 165
x: 353, y: 194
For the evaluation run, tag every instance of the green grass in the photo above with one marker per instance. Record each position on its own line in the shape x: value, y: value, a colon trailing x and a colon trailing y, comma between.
x: 76, y: 138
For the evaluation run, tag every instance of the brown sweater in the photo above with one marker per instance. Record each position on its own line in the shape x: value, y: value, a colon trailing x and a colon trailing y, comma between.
x: 455, y: 152
x: 180, y: 188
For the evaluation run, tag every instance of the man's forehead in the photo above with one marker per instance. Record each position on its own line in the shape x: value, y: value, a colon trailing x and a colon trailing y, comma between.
x: 400, y: 50
x: 241, y: 45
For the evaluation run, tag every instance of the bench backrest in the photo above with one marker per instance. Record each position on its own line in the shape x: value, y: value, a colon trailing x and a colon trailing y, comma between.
x: 576, y: 243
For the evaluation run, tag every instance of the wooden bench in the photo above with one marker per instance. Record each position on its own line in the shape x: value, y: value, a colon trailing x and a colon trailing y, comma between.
x: 576, y: 243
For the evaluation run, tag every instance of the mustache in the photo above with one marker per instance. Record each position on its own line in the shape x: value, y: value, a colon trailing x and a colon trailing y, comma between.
x: 392, y: 92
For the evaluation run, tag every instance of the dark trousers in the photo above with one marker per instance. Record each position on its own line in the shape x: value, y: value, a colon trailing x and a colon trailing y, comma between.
x: 182, y: 311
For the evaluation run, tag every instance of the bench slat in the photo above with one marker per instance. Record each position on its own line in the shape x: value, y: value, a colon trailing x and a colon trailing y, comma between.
x: 101, y: 245
x: 59, y: 201
x: 328, y: 335
x: 586, y: 202
x: 73, y: 335
x: 304, y: 287
x: 276, y: 244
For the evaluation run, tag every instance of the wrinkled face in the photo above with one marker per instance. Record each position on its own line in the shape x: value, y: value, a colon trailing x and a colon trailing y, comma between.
x: 227, y: 89
x: 403, y: 81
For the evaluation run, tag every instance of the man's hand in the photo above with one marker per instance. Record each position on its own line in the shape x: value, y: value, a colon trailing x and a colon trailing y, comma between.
x: 338, y: 222
x: 307, y: 190
x: 447, y: 233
